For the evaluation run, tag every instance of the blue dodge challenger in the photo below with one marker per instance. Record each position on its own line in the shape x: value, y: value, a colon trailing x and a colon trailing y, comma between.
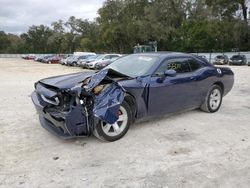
x: 132, y: 88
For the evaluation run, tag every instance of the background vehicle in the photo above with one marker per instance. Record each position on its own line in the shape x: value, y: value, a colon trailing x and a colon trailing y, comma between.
x: 64, y: 60
x: 101, y: 58
x: 53, y: 59
x: 84, y: 58
x: 221, y: 60
x: 238, y: 60
x: 102, y: 64
x: 73, y: 61
x: 133, y: 87
x: 29, y: 57
x: 151, y: 47
x: 82, y: 62
x: 203, y: 57
x: 83, y: 53
x: 45, y: 58
x: 38, y: 57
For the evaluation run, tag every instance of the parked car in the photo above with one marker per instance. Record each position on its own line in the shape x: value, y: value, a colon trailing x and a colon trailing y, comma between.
x: 132, y: 88
x: 203, y: 56
x: 73, y: 61
x: 45, y: 57
x: 65, y: 59
x: 53, y: 59
x: 100, y: 65
x: 101, y: 58
x: 221, y: 60
x: 83, y: 62
x: 238, y: 60
x: 84, y: 58
x: 29, y: 57
x: 39, y: 58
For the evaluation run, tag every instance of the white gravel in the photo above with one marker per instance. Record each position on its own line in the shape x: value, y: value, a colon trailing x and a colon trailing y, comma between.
x: 192, y: 149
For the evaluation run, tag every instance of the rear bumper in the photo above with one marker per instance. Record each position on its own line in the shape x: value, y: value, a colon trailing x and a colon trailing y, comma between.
x: 57, y: 123
x: 220, y: 63
x: 236, y: 63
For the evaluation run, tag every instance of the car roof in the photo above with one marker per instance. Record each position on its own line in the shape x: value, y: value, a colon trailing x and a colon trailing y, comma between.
x: 167, y: 54
x: 164, y: 54
x: 111, y: 54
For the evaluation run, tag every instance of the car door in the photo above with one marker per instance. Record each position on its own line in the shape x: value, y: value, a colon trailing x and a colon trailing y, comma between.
x: 173, y: 93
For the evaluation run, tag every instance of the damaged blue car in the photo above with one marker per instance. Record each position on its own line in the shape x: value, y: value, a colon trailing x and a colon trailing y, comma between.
x: 132, y: 88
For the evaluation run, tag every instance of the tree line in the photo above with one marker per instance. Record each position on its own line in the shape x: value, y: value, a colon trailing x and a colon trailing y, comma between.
x: 177, y: 25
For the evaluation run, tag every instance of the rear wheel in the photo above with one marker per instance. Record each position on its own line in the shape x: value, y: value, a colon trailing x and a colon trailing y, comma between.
x: 213, y: 99
x: 113, y: 132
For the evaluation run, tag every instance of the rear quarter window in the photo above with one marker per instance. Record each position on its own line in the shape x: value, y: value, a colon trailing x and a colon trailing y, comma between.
x: 194, y: 65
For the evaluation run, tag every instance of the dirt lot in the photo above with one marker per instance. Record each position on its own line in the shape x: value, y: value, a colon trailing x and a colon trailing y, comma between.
x: 193, y: 149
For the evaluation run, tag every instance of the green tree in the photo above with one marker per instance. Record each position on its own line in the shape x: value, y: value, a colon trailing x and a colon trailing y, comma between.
x: 4, y: 42
x: 37, y: 37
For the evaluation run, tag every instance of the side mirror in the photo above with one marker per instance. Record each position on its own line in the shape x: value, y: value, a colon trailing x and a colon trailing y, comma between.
x: 167, y: 73
x: 170, y: 73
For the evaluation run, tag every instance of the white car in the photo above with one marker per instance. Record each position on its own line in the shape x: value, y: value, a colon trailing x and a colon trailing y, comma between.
x: 85, y: 58
x: 91, y: 65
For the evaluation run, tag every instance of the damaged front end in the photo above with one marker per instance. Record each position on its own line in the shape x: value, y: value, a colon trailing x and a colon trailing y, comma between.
x: 74, y: 112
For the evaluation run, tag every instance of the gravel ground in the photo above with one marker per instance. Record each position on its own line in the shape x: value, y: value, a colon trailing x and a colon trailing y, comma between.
x: 192, y: 149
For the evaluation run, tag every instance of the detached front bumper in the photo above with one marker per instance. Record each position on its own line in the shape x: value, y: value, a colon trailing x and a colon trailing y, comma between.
x: 64, y: 125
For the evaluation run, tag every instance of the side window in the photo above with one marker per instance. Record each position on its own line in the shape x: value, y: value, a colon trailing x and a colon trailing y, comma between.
x: 113, y: 56
x: 194, y: 65
x: 180, y: 65
x: 107, y: 57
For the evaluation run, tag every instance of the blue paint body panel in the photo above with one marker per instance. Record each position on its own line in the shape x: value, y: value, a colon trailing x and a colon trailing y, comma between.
x: 151, y: 97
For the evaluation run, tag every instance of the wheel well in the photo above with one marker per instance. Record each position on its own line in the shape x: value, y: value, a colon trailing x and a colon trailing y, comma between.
x: 132, y: 103
x: 221, y: 86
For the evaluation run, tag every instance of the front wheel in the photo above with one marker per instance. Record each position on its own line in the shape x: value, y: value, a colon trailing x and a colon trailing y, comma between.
x: 213, y: 99
x: 113, y: 132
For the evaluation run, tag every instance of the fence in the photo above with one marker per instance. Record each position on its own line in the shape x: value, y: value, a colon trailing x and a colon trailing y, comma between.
x: 209, y: 56
x: 19, y: 55
x: 11, y: 55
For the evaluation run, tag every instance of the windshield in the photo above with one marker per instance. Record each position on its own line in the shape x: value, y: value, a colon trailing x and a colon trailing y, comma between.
x: 220, y: 57
x: 92, y: 57
x: 237, y: 57
x: 84, y: 57
x: 99, y: 57
x: 133, y: 65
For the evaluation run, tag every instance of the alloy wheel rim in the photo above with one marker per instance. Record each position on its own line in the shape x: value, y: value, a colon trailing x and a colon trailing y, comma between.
x: 119, y: 126
x: 215, y: 99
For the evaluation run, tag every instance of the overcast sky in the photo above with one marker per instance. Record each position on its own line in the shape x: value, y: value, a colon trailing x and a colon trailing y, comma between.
x: 17, y: 15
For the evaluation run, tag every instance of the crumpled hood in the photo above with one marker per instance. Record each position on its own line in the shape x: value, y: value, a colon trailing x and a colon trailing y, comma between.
x: 66, y: 81
x: 70, y: 80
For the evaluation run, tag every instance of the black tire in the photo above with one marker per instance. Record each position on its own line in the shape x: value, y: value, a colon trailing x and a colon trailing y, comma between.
x: 100, y: 134
x: 206, y: 106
